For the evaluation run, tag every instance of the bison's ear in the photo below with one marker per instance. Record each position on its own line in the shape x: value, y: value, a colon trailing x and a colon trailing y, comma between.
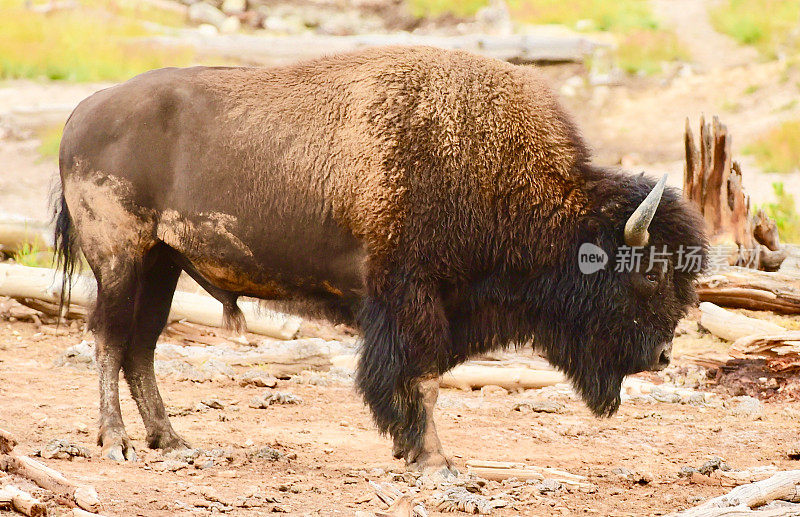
x: 636, y: 228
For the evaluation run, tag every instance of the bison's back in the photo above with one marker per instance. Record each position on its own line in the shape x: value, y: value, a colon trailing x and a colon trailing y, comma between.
x: 295, y: 174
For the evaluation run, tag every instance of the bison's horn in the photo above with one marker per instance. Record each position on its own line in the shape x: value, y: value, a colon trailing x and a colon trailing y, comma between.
x: 636, y: 227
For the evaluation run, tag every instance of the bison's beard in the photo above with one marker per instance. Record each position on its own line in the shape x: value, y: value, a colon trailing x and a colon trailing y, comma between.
x: 600, y: 390
x: 597, y: 378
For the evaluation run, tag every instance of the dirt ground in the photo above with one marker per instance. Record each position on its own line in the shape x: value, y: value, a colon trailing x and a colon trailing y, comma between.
x: 318, y: 457
x: 328, y: 450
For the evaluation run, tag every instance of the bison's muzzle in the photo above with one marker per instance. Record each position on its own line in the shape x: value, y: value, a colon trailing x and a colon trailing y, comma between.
x: 663, y: 355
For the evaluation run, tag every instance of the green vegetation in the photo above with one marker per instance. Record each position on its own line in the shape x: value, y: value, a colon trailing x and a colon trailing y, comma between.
x: 643, y: 44
x: 784, y: 212
x: 433, y: 8
x: 644, y: 51
x: 779, y: 149
x: 765, y: 24
x: 50, y: 141
x: 94, y: 41
x: 32, y: 256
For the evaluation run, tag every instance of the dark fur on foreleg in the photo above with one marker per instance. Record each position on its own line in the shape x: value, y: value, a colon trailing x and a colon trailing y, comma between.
x: 384, y: 377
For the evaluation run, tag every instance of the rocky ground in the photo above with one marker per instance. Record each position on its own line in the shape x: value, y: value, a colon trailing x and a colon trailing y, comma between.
x: 306, y: 446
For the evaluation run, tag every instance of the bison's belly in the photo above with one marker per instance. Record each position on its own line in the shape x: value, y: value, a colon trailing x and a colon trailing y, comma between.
x: 248, y: 260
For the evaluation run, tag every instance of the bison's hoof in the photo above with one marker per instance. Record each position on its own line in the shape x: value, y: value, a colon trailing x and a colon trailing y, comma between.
x: 120, y: 451
x: 435, y: 465
x: 116, y: 445
x: 168, y: 442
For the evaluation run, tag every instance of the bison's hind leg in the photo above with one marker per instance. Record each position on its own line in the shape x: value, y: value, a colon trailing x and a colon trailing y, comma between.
x: 156, y: 287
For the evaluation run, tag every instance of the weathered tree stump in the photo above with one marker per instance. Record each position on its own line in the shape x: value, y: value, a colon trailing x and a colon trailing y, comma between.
x: 714, y: 183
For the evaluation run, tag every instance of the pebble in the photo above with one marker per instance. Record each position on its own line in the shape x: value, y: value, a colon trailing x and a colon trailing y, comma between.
x: 745, y: 406
x: 259, y: 378
x: 539, y: 406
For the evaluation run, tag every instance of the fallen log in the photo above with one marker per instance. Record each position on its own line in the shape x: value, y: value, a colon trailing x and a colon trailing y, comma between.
x: 468, y: 377
x: 749, y: 289
x: 540, y: 44
x: 6, y: 498
x: 50, y: 479
x: 25, y: 503
x: 783, y: 486
x: 731, y: 326
x: 45, y: 284
x: 768, y: 345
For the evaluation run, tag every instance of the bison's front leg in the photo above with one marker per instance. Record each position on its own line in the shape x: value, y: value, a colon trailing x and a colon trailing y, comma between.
x: 406, y: 336
x: 427, y: 455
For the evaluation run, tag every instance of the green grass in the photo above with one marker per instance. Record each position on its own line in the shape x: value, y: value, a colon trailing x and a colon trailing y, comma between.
x: 765, y: 24
x: 779, y: 149
x: 643, y: 44
x: 435, y: 8
x: 95, y: 41
x: 32, y: 255
x: 50, y: 141
x: 784, y: 212
x: 645, y: 51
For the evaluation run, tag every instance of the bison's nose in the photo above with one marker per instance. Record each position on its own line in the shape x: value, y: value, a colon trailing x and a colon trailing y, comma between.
x: 662, y: 356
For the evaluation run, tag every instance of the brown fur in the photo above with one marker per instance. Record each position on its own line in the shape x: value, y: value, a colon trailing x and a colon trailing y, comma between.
x: 435, y: 192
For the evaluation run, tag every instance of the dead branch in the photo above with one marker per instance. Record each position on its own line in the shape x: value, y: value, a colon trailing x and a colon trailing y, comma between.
x: 715, y: 184
x: 731, y: 326
x: 749, y: 289
x: 769, y: 345
x: 739, y: 501
x: 23, y: 502
x: 50, y: 479
x: 500, y: 470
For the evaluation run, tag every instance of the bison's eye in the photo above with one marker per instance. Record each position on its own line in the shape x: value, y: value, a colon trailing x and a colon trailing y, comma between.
x: 652, y: 277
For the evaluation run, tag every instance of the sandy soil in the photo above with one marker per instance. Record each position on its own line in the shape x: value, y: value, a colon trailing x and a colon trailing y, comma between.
x: 330, y: 449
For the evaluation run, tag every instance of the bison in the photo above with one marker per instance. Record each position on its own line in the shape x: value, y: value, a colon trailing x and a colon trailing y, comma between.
x: 436, y: 199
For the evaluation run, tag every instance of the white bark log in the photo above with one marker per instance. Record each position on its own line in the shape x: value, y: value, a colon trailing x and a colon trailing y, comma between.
x: 468, y: 377
x: 731, y: 326
x: 45, y: 284
x: 783, y: 485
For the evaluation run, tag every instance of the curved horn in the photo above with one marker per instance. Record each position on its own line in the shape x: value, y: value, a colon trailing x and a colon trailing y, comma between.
x: 636, y: 227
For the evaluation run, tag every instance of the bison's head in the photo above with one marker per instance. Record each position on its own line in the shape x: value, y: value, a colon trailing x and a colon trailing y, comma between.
x: 612, y: 308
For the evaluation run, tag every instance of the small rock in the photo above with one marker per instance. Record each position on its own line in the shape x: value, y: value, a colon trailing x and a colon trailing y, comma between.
x: 184, y: 455
x: 169, y: 466
x: 234, y: 6
x: 715, y: 463
x: 662, y: 395
x: 548, y: 485
x: 539, y: 406
x: 213, y: 403
x: 745, y: 406
x: 267, y: 453
x: 231, y: 25
x: 258, y: 378
x: 81, y: 354
x: 63, y: 450
x: 491, y: 389
x: 632, y: 476
x: 202, y: 12
x: 274, y: 397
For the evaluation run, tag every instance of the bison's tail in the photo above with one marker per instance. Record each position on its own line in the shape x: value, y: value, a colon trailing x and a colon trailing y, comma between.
x: 65, y: 243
